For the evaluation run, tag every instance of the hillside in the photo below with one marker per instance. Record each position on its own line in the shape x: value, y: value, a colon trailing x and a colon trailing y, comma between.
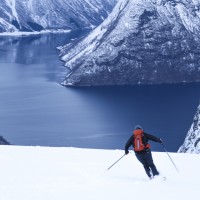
x: 37, y: 15
x: 140, y: 42
x: 45, y: 173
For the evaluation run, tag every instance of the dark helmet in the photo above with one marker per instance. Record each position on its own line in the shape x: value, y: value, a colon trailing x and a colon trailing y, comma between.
x: 138, y: 127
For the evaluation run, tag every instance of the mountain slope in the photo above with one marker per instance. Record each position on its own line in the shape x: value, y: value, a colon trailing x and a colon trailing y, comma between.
x: 36, y: 15
x: 192, y: 140
x: 142, y: 41
x: 70, y: 173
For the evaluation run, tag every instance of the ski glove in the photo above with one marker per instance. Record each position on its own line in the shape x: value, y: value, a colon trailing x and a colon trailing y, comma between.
x: 161, y: 141
x: 126, y: 152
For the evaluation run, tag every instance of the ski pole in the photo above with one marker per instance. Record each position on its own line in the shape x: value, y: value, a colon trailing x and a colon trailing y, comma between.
x: 170, y: 157
x: 116, y: 162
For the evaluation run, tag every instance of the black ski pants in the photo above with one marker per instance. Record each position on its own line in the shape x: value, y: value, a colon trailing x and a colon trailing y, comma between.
x: 145, y: 157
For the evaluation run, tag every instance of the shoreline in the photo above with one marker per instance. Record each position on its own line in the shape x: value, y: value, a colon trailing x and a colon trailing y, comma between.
x: 20, y: 33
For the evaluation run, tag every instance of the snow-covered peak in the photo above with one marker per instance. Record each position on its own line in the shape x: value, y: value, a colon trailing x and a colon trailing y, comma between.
x: 192, y: 140
x: 137, y: 38
x: 30, y: 15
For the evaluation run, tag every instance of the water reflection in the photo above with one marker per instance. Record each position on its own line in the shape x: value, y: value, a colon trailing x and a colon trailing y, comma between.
x: 31, y: 49
x: 36, y: 51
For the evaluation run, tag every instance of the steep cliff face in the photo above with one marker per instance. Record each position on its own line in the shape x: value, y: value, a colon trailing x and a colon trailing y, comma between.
x: 192, y: 140
x: 141, y: 42
x: 36, y: 15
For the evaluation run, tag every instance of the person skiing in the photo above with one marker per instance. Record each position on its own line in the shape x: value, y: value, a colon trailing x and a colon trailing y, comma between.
x: 141, y: 147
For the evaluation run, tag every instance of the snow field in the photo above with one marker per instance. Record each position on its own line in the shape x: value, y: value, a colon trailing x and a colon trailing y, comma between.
x: 52, y: 173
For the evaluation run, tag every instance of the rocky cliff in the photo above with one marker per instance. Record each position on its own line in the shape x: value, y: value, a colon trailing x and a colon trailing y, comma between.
x: 3, y: 141
x: 141, y: 42
x: 192, y: 140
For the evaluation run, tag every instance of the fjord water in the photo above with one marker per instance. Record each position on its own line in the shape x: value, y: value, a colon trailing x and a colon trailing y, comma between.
x: 36, y: 110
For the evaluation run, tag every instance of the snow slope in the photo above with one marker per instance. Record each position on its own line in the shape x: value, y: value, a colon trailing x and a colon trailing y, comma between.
x: 43, y: 173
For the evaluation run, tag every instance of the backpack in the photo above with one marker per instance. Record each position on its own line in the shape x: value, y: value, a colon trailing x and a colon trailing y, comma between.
x: 138, y: 141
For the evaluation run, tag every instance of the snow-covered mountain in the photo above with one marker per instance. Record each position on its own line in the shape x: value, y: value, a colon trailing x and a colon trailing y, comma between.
x: 36, y: 15
x: 192, y: 140
x: 142, y: 41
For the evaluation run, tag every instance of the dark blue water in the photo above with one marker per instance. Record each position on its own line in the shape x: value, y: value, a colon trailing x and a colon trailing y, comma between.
x: 36, y: 110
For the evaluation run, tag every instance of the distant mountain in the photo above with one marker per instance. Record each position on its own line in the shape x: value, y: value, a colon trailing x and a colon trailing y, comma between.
x: 141, y: 42
x: 37, y: 15
x: 192, y: 140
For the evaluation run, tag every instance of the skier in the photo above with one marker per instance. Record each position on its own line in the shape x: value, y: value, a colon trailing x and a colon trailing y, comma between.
x: 139, y: 141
